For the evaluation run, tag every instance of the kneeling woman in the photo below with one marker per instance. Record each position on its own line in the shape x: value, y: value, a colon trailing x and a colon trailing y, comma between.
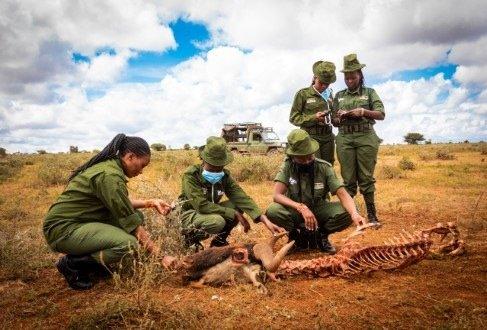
x: 94, y: 222
x: 300, y: 196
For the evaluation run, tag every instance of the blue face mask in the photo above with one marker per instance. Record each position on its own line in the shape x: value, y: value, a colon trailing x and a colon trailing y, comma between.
x: 213, y: 177
x: 326, y: 94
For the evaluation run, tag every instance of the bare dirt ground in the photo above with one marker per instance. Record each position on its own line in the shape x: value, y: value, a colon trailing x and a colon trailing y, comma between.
x: 448, y: 292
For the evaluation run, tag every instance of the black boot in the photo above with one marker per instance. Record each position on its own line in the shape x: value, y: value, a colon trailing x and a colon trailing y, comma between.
x: 372, y: 214
x: 191, y: 242
x: 312, y: 237
x: 221, y: 238
x: 300, y: 241
x: 76, y: 270
x: 324, y: 244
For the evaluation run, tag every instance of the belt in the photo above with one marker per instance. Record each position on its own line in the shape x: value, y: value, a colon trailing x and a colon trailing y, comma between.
x: 318, y: 129
x: 352, y: 128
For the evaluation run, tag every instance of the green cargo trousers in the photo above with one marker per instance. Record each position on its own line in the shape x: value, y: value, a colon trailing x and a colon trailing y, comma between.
x: 357, y: 154
x: 331, y: 216
x: 201, y: 226
x: 327, y: 148
x: 106, y: 243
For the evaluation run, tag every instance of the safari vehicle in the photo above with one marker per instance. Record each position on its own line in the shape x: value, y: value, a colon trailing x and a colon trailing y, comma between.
x: 252, y: 138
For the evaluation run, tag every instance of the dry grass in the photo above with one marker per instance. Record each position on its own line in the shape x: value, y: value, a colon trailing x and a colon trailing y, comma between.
x: 446, y: 293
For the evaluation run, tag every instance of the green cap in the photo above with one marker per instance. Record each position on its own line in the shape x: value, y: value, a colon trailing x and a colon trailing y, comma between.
x: 325, y: 71
x: 215, y: 152
x: 351, y: 63
x: 300, y: 143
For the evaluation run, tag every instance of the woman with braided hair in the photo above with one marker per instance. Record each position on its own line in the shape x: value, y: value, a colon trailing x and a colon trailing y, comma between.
x: 94, y: 222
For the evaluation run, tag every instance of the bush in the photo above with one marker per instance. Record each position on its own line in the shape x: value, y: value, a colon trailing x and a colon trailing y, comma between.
x: 56, y: 170
x: 16, y: 253
x: 406, y: 164
x: 444, y: 154
x: 10, y: 167
x: 424, y: 156
x: 73, y: 149
x: 390, y: 172
x: 413, y: 138
x: 41, y: 152
x: 3, y: 152
x: 158, y: 147
x: 254, y: 169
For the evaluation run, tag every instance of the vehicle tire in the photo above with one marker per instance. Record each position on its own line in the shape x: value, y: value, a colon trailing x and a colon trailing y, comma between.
x: 272, y: 152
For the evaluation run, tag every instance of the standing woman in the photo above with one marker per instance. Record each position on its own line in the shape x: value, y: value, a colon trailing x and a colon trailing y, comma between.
x: 312, y: 107
x: 94, y: 222
x: 355, y: 111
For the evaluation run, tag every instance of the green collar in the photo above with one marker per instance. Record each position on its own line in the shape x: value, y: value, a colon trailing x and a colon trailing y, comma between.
x: 357, y: 91
x: 313, y: 91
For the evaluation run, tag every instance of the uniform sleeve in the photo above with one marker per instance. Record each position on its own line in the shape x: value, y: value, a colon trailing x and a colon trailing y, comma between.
x: 332, y: 181
x: 112, y: 192
x: 283, y: 174
x: 376, y: 102
x: 241, y: 200
x: 197, y: 198
x: 297, y: 116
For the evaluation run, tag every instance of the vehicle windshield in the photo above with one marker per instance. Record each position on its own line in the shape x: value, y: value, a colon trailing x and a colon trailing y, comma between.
x: 270, y: 136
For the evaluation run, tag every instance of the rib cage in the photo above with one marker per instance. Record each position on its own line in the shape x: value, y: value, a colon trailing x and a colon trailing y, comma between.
x: 398, y: 253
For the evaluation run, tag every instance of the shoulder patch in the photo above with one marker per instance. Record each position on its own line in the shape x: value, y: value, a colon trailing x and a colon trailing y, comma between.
x: 311, y: 100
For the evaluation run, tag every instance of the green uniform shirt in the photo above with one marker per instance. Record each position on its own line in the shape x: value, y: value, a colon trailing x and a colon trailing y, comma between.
x: 301, y: 189
x: 203, y: 197
x: 307, y: 103
x: 98, y: 194
x: 367, y: 98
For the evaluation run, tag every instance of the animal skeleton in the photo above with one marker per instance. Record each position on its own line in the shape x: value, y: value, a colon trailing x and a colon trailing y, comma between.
x: 217, y: 266
x: 396, y: 254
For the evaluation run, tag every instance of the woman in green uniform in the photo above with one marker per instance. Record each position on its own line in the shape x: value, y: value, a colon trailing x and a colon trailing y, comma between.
x: 203, y: 187
x: 312, y: 107
x: 94, y: 222
x: 300, y: 197
x: 355, y: 111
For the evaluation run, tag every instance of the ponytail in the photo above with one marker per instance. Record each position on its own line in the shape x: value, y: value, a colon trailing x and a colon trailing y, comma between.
x: 361, y: 82
x: 119, y: 146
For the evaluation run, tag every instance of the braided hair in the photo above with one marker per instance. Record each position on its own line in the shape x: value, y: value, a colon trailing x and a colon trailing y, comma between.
x: 361, y: 82
x: 118, y: 147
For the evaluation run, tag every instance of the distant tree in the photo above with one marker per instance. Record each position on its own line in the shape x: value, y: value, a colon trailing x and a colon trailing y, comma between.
x: 187, y: 146
x: 466, y: 141
x: 413, y: 138
x: 158, y: 146
x: 96, y: 151
x: 3, y: 152
x: 73, y: 149
x: 42, y: 152
x: 381, y: 140
x: 427, y: 141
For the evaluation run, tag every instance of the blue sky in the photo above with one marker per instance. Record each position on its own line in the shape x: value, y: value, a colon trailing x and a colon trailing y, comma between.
x: 151, y: 66
x: 174, y: 72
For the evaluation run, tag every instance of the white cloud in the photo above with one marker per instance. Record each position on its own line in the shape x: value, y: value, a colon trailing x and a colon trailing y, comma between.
x: 105, y: 68
x: 433, y: 107
x: 38, y: 39
x: 198, y: 96
x: 474, y: 74
x: 43, y: 94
